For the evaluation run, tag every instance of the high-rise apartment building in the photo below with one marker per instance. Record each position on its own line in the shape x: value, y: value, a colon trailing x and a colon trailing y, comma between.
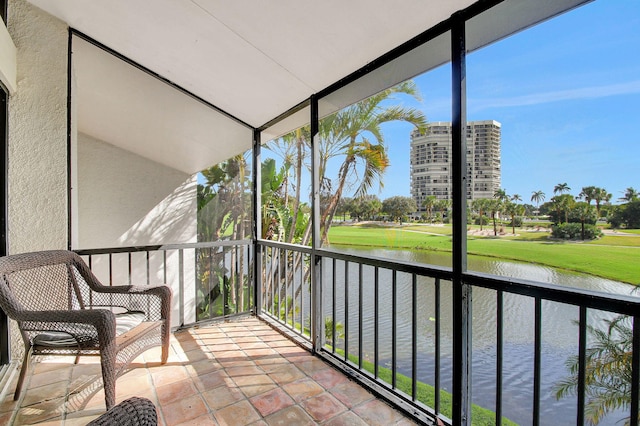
x: 431, y: 166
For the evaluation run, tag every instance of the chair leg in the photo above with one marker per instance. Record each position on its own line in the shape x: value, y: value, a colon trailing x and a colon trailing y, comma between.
x: 23, y: 372
x: 166, y: 342
x: 108, y: 381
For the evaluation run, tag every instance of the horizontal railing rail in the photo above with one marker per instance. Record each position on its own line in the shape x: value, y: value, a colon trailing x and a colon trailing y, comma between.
x: 212, y: 279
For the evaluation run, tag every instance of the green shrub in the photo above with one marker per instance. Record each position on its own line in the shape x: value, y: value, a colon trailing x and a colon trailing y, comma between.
x: 573, y: 231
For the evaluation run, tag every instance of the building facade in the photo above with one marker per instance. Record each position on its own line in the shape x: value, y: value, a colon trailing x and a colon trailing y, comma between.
x: 431, y: 167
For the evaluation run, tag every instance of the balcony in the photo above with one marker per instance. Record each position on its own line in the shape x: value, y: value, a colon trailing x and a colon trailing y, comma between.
x: 118, y: 167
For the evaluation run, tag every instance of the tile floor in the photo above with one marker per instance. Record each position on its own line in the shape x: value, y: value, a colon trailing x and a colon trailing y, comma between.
x: 236, y: 373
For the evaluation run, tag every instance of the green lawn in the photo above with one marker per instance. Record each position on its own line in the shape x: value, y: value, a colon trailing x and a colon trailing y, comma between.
x: 612, y: 257
x: 426, y: 394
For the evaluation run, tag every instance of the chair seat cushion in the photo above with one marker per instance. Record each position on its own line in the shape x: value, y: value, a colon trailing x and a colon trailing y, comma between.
x: 124, y: 322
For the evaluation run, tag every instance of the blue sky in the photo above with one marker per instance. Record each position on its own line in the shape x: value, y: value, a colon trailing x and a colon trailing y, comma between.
x: 567, y: 93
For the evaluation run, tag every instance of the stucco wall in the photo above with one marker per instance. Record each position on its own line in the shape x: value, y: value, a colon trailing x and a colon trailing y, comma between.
x: 127, y: 200
x: 37, y: 172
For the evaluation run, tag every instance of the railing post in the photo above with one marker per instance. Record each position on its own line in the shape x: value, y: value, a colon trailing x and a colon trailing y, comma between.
x: 317, y: 328
x: 257, y: 223
x: 461, y: 291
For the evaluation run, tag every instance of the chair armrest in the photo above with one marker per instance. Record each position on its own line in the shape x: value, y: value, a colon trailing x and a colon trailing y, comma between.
x: 155, y: 301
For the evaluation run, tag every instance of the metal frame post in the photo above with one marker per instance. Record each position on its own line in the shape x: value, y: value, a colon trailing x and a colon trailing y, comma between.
x: 317, y: 328
x: 257, y: 222
x: 461, y: 291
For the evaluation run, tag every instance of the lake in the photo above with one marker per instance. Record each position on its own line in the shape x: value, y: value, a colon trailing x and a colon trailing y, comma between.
x: 560, y: 333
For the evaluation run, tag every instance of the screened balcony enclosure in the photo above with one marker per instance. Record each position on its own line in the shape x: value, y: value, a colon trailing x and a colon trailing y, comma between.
x: 212, y: 145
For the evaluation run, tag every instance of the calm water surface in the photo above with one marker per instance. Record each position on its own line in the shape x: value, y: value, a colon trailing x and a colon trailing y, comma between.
x: 560, y: 334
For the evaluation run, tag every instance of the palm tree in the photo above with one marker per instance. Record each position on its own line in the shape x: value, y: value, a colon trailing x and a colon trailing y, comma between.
x: 481, y: 205
x: 584, y: 210
x: 494, y: 206
x: 537, y: 197
x: 346, y: 134
x: 501, y: 194
x: 608, y: 370
x: 513, y: 210
x: 428, y: 204
x: 601, y: 195
x: 630, y: 194
x: 563, y: 204
x: 561, y: 188
x: 588, y: 193
x: 516, y: 198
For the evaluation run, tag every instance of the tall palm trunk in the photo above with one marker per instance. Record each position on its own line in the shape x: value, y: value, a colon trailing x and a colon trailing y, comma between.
x: 298, y: 182
x: 327, y: 215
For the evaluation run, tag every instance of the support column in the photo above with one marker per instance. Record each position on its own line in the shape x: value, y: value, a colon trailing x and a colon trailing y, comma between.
x: 461, y: 291
x: 317, y: 328
x: 257, y: 222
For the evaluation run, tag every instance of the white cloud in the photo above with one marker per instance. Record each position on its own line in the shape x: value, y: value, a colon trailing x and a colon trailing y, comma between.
x: 593, y: 92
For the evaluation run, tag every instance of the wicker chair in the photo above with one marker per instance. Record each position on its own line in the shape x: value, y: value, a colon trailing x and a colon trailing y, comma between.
x: 134, y: 411
x: 62, y: 309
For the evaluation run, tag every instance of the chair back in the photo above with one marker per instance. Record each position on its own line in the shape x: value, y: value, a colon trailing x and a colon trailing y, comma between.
x: 42, y: 281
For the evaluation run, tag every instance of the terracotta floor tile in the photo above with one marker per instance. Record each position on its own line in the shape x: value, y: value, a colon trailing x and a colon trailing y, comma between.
x: 184, y: 410
x: 350, y: 393
x: 323, y: 407
x: 272, y: 401
x: 37, y: 395
x: 249, y: 370
x: 251, y: 345
x: 261, y: 353
x: 58, y: 375
x: 346, y: 419
x: 253, y: 390
x: 303, y: 389
x: 163, y: 375
x: 5, y: 417
x: 290, y: 351
x: 291, y: 416
x: 286, y: 374
x: 205, y: 382
x: 256, y: 379
x: 204, y: 420
x: 221, y: 397
x: 309, y: 364
x: 328, y: 377
x: 378, y: 413
x: 47, y: 411
x: 202, y: 367
x: 175, y: 391
x: 132, y: 386
x: 240, y: 413
x: 196, y: 355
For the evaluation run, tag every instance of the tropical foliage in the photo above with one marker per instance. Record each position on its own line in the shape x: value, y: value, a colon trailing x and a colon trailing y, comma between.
x: 608, y: 370
x: 224, y: 205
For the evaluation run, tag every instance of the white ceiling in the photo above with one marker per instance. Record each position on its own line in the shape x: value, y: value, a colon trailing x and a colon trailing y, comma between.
x: 253, y: 59
x: 124, y: 106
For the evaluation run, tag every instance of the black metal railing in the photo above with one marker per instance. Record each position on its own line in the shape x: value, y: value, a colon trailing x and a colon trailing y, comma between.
x: 285, y: 289
x: 209, y: 280
x: 389, y: 324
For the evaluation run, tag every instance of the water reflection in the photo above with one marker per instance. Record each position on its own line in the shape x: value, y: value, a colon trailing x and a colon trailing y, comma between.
x: 559, y: 331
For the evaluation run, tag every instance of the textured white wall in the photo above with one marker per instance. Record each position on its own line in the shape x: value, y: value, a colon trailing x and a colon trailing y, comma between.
x: 127, y: 200
x: 37, y: 180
